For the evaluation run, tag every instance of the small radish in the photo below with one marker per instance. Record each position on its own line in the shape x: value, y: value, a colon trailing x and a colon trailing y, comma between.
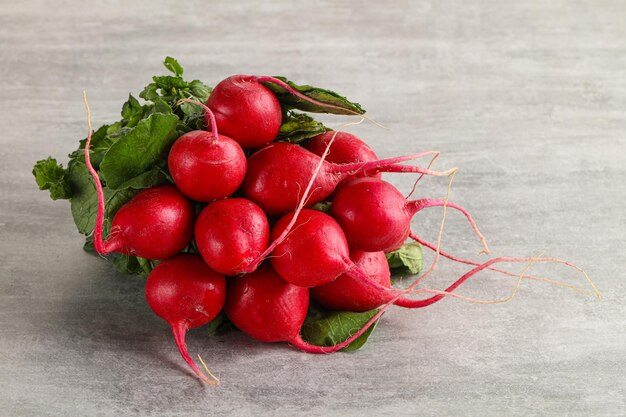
x: 155, y: 224
x: 186, y: 293
x: 206, y: 166
x: 249, y: 112
x: 246, y: 111
x: 346, y: 148
x: 349, y: 292
x: 278, y: 173
x: 375, y: 216
x: 231, y: 234
x: 266, y: 307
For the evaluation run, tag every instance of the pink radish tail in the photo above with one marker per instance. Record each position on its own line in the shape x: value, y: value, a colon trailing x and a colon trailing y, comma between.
x: 180, y: 330
x: 113, y: 244
x: 274, y: 80
x: 408, y: 303
x: 432, y: 247
x: 418, y: 205
x: 208, y: 114
x: 388, y: 165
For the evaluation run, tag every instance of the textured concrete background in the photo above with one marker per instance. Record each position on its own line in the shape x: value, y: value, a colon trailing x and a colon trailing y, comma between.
x: 528, y: 98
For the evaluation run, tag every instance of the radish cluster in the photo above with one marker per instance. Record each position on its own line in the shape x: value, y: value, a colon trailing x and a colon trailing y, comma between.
x: 228, y: 219
x: 262, y: 251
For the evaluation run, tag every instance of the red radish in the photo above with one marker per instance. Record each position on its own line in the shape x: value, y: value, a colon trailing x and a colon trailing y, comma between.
x: 266, y: 307
x: 186, y: 293
x: 315, y: 252
x: 231, y: 234
x: 375, y: 216
x: 155, y: 224
x: 206, y: 166
x: 349, y: 292
x: 246, y: 111
x: 278, y: 173
x: 249, y: 112
x: 346, y: 148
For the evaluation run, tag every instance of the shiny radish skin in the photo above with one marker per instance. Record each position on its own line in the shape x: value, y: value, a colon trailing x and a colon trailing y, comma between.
x: 349, y: 293
x: 370, y: 222
x: 155, y: 224
x: 246, y: 111
x: 231, y: 233
x: 205, y: 167
x: 186, y: 293
x: 276, y: 179
x: 346, y: 148
x: 266, y: 307
x: 375, y: 216
x: 314, y: 253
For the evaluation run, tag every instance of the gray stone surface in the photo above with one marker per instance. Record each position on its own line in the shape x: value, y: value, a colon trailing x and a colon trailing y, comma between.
x: 528, y: 98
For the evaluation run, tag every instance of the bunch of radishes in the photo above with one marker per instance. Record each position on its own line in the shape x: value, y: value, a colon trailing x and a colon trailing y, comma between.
x: 249, y: 225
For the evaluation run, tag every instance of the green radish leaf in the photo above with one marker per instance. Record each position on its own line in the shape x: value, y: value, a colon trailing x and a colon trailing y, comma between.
x: 84, y: 201
x: 199, y: 90
x: 138, y: 150
x: 52, y: 176
x: 330, y: 102
x: 408, y: 257
x: 154, y: 176
x: 132, y: 111
x: 323, y: 206
x: 127, y: 264
x: 173, y: 65
x: 159, y: 106
x: 171, y: 88
x: 332, y: 328
x: 297, y: 127
x: 220, y: 324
